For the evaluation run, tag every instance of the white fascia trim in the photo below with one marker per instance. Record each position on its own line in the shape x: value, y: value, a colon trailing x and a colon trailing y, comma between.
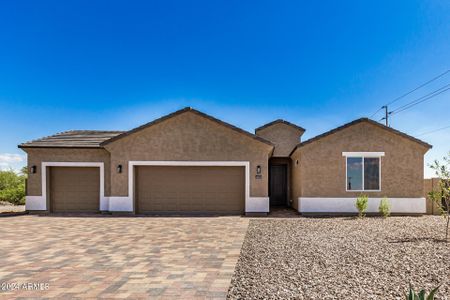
x: 347, y: 205
x: 41, y: 202
x: 250, y: 205
x: 362, y: 154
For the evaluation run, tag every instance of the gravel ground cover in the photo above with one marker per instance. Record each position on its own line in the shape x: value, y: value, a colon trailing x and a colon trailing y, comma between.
x: 342, y: 258
x: 8, y: 207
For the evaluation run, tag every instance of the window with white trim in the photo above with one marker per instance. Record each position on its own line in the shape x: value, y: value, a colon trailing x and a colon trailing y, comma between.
x: 363, y: 172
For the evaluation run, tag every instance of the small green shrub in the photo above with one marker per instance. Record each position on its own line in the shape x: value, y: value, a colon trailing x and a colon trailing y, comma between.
x: 385, y: 207
x: 421, y: 295
x: 362, y: 202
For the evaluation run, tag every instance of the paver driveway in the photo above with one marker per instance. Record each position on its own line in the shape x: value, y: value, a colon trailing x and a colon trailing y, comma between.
x: 120, y: 257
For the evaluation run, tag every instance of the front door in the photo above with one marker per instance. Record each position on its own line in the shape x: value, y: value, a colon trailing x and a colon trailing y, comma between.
x: 278, y: 185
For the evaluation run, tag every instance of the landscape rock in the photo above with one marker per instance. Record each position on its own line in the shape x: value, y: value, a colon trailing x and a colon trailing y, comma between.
x: 342, y: 258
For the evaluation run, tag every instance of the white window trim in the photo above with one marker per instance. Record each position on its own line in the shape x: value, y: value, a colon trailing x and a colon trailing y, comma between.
x: 363, y: 155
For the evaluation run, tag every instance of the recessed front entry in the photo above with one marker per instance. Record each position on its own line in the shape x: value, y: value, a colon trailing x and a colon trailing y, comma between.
x: 74, y: 189
x: 278, y: 185
x: 194, y: 189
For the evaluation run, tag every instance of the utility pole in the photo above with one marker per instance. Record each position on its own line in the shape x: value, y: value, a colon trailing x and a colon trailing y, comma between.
x: 386, y: 115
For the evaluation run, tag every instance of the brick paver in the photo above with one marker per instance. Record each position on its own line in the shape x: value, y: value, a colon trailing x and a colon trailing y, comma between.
x: 119, y: 257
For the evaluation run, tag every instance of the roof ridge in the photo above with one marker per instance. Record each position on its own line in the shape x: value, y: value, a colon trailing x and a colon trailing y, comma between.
x: 183, y: 110
x: 277, y: 121
x: 363, y: 119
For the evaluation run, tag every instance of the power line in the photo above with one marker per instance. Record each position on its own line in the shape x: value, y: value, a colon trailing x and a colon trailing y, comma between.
x: 421, y: 99
x: 375, y: 112
x: 433, y: 131
x: 420, y: 86
x: 411, y: 91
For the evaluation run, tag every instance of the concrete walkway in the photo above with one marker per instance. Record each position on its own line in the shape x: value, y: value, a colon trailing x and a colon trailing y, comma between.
x: 119, y: 257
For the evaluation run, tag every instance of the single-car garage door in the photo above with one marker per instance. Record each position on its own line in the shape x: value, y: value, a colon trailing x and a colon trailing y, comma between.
x: 190, y: 189
x: 74, y: 189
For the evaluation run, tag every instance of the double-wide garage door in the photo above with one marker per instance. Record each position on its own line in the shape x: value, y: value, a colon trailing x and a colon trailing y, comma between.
x: 190, y: 189
x: 74, y: 189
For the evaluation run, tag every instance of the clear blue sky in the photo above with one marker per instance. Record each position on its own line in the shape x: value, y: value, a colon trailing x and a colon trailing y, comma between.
x: 115, y: 65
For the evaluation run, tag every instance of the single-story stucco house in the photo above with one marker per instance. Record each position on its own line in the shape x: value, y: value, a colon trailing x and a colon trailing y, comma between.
x: 190, y: 162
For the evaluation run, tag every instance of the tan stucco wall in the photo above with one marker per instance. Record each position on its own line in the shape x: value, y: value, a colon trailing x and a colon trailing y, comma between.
x: 283, y: 136
x: 430, y: 185
x: 38, y: 155
x: 321, y: 168
x: 188, y: 137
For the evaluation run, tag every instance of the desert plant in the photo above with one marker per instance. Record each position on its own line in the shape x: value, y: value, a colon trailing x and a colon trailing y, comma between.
x: 421, y: 295
x: 441, y: 196
x: 385, y: 207
x: 362, y: 202
x: 12, y: 187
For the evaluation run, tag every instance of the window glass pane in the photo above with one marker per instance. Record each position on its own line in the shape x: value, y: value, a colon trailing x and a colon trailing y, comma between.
x: 371, y: 173
x: 354, y: 173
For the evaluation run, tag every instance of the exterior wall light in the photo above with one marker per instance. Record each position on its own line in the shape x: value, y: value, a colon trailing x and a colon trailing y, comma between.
x: 33, y: 169
x: 258, y: 169
x: 119, y: 169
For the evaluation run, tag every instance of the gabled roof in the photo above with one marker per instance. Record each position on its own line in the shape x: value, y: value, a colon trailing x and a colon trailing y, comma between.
x: 367, y: 120
x: 277, y: 122
x: 98, y: 138
x: 187, y: 109
x: 72, y: 139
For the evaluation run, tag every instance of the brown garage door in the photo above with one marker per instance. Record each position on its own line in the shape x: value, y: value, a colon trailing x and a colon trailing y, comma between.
x: 190, y: 189
x: 74, y: 189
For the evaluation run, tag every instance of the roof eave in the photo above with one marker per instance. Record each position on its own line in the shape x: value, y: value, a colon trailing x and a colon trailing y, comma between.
x: 280, y: 121
x: 337, y: 129
x: 21, y: 146
x: 176, y: 113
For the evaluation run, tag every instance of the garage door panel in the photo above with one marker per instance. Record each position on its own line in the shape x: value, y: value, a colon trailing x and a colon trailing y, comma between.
x: 185, y: 189
x: 74, y: 189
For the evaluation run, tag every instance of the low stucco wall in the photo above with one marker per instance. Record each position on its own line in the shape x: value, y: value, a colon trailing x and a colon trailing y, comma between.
x: 429, y: 185
x: 347, y: 205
